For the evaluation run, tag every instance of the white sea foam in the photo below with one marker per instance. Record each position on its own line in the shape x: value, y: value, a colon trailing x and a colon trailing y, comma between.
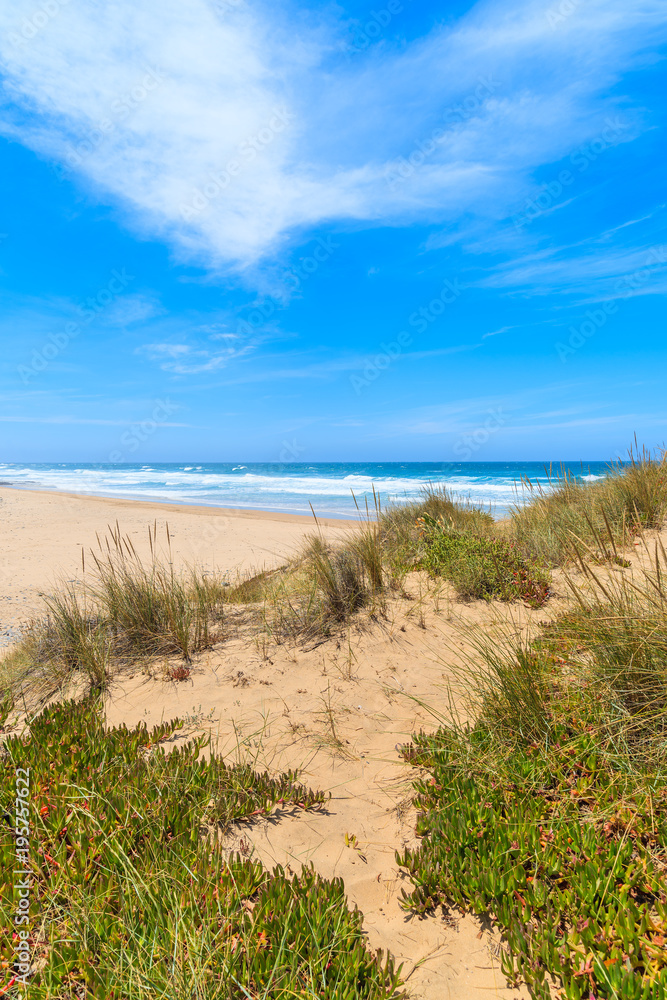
x: 295, y: 489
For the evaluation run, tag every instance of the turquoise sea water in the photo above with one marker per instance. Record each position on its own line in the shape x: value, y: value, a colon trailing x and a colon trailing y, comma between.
x: 329, y: 486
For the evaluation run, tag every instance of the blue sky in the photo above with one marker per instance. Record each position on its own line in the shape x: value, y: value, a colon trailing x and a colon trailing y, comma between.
x: 245, y: 231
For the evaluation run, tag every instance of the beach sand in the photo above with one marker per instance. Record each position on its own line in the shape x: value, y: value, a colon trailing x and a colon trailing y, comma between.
x: 337, y: 710
x: 43, y: 534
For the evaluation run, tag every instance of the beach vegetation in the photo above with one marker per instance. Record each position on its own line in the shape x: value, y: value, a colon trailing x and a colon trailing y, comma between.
x: 123, y: 610
x: 548, y: 811
x: 542, y: 795
x: 400, y: 531
x: 323, y: 589
x: 460, y: 542
x: 604, y: 514
x: 481, y: 566
x: 131, y: 892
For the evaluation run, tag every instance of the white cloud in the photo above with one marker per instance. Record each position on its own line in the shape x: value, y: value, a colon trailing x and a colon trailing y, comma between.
x: 184, y: 359
x: 494, y: 333
x: 334, y: 367
x: 66, y: 419
x: 129, y: 309
x: 148, y: 105
x: 589, y: 268
x: 157, y: 351
x: 518, y: 411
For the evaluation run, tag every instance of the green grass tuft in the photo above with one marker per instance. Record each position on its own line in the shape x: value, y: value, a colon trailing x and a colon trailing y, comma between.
x: 605, y: 514
x: 399, y: 530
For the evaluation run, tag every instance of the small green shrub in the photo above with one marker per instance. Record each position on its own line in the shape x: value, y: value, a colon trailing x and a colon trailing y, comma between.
x: 481, y: 566
x: 399, y: 531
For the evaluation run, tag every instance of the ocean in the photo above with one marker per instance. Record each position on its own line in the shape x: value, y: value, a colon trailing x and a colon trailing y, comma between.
x: 330, y: 487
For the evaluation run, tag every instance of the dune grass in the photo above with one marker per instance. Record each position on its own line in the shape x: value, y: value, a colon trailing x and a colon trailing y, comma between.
x: 132, y: 896
x: 124, y: 610
x: 605, y: 514
x: 549, y: 812
x: 317, y: 593
x: 127, y: 608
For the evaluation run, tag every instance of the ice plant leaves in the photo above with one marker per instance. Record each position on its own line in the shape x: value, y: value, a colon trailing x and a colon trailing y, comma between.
x: 133, y: 898
x: 570, y: 868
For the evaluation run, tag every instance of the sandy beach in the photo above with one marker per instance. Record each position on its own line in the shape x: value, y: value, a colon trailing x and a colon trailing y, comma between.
x: 44, y: 532
x: 280, y: 705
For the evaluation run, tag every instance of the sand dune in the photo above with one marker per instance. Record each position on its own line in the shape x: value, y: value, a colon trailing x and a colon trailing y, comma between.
x: 337, y: 710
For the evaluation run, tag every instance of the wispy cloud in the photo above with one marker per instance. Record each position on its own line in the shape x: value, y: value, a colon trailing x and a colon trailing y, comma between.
x: 494, y: 333
x: 131, y: 309
x: 523, y: 412
x: 184, y: 359
x: 591, y: 268
x: 66, y: 419
x: 331, y: 367
x: 226, y: 134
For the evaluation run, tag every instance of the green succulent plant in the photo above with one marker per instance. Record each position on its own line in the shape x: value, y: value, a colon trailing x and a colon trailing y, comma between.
x: 569, y: 866
x: 133, y: 898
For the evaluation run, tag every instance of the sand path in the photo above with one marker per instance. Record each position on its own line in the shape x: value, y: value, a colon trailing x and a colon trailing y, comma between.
x: 338, y: 712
